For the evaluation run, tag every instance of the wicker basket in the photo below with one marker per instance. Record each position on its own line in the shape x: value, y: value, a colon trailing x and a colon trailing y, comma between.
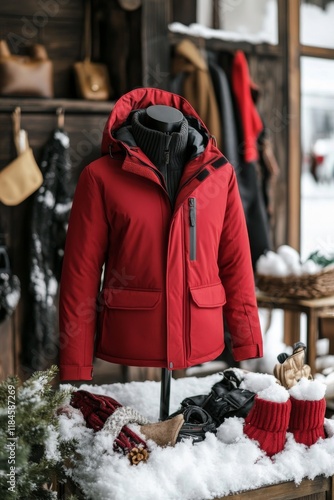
x: 307, y: 286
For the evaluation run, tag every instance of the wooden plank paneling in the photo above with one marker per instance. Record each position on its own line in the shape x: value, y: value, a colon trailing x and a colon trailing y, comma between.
x: 121, y: 45
x: 60, y: 30
x: 7, y: 346
x: 184, y: 12
x: 85, y: 132
x: 155, y: 50
x: 30, y: 8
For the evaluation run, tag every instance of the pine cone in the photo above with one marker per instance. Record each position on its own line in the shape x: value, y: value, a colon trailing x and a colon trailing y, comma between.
x: 137, y: 455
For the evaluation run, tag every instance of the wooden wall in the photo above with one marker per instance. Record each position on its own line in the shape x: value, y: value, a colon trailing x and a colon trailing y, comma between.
x: 57, y: 24
x: 131, y: 43
x: 142, y: 60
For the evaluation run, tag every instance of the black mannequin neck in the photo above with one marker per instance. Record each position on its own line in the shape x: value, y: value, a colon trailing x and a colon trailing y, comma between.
x: 163, y: 118
x: 162, y: 134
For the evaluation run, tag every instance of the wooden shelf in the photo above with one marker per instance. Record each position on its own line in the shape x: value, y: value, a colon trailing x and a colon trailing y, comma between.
x: 217, y: 44
x: 36, y: 105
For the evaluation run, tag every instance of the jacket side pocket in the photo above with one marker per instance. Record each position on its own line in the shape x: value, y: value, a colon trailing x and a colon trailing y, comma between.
x: 206, y: 320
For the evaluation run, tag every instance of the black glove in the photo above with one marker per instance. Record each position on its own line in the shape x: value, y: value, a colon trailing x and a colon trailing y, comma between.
x: 236, y: 403
x: 225, y: 399
x: 196, y: 423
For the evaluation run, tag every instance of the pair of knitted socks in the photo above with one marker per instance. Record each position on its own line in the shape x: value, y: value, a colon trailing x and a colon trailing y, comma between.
x: 276, y: 411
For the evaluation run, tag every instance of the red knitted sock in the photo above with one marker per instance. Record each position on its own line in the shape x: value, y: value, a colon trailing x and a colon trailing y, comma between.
x: 267, y: 423
x: 307, y: 420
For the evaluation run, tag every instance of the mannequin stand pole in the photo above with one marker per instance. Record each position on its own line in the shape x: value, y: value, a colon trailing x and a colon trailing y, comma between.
x: 166, y: 376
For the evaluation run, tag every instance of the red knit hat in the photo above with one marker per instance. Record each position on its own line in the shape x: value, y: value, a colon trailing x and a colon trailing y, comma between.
x: 267, y: 423
x: 96, y: 410
x: 307, y: 420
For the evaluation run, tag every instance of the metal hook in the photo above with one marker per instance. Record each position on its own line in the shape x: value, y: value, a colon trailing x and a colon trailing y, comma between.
x: 60, y: 117
x: 16, y: 117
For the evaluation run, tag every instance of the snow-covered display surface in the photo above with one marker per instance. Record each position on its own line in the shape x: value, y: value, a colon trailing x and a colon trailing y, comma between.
x: 223, y: 464
x: 198, y: 30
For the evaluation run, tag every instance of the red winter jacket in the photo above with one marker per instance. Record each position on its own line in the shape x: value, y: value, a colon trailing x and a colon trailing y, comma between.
x: 168, y: 272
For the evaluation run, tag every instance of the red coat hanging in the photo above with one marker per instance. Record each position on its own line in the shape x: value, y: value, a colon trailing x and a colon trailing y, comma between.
x: 169, y: 272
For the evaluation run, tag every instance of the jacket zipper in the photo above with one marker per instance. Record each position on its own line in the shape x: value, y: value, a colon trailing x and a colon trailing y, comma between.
x: 186, y: 305
x: 167, y: 158
x: 159, y: 175
x: 181, y: 186
x: 192, y: 227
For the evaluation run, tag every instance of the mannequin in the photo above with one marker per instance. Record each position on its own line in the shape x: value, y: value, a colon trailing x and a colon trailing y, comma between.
x: 162, y: 134
x: 166, y: 120
x: 165, y: 285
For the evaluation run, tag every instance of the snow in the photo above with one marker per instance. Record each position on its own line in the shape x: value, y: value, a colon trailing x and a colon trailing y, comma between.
x: 316, y: 25
x: 257, y: 382
x: 198, y: 30
x: 308, y: 390
x: 286, y: 262
x: 62, y: 208
x: 63, y: 138
x: 51, y: 444
x: 276, y: 393
x: 47, y: 198
x: 226, y: 463
x: 12, y: 299
x: 33, y: 392
x: 317, y: 203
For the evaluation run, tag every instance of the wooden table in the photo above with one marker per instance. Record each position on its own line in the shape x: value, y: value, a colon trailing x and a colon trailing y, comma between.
x: 320, y: 488
x: 313, y: 308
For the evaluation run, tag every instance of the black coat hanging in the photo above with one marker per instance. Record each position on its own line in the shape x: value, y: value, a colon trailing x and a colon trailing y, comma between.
x: 52, y: 204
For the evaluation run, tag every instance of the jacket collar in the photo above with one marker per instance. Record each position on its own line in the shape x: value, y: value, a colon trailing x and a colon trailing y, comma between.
x: 137, y: 163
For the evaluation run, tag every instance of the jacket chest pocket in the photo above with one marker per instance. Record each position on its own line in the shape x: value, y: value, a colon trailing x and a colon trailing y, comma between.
x: 206, y: 319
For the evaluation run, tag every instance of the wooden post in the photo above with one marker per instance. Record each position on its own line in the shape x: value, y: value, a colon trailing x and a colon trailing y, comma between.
x: 289, y: 19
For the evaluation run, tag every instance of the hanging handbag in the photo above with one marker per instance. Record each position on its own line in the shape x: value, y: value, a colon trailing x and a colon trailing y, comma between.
x: 91, y: 79
x: 22, y: 176
x: 25, y: 76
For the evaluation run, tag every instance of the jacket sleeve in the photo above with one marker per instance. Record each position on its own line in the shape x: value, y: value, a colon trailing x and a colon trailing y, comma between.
x: 236, y: 274
x: 85, y: 250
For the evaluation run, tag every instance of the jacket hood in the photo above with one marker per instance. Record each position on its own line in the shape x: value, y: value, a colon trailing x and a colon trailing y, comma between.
x: 142, y: 98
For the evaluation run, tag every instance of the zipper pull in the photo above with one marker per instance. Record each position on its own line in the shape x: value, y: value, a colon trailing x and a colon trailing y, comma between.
x: 167, y: 150
x: 166, y: 157
x: 192, y: 212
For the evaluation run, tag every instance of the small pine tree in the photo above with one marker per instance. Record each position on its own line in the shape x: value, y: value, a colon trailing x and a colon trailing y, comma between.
x: 29, y: 438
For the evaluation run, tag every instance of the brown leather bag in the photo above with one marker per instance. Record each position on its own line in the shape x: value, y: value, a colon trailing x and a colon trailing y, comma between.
x: 25, y: 76
x: 91, y: 79
x: 22, y: 176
